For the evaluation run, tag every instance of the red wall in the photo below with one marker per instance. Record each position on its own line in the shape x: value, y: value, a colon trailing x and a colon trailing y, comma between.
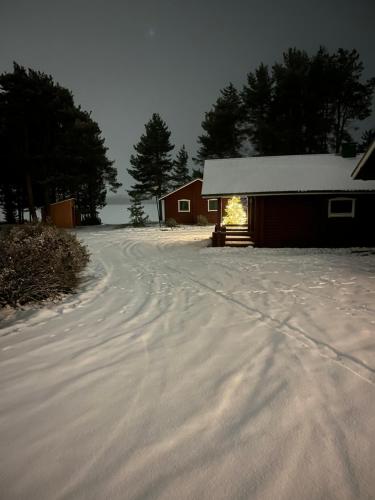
x: 198, y: 205
x: 302, y: 221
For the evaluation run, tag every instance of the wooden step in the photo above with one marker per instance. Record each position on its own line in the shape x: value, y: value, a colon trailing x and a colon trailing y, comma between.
x: 237, y: 233
x: 239, y: 244
x: 237, y: 238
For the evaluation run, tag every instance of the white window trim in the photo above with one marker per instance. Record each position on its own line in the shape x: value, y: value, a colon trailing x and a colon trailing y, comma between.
x: 178, y: 206
x: 208, y: 205
x: 341, y: 214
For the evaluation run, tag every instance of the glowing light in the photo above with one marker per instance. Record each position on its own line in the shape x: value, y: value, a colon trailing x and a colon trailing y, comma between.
x: 234, y: 212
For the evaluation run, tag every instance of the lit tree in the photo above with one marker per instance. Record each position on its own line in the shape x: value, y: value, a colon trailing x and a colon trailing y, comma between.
x: 234, y: 212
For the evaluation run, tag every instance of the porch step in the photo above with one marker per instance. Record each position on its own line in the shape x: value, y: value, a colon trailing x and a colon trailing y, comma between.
x: 237, y: 236
x: 239, y: 244
x: 237, y: 233
x: 232, y: 237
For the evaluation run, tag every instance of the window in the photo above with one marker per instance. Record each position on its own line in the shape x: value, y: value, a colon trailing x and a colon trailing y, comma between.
x: 212, y: 205
x: 184, y: 205
x: 341, y: 207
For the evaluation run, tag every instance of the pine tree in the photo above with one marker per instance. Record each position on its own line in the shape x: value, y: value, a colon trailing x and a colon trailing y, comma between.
x: 306, y: 104
x: 234, y: 212
x: 152, y: 164
x: 180, y: 174
x: 137, y: 215
x: 351, y: 99
x: 367, y: 138
x: 257, y: 97
x: 222, y: 127
x: 197, y: 173
x: 50, y: 148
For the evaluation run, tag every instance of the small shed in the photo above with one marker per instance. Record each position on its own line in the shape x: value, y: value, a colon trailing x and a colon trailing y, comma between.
x: 63, y: 213
x: 186, y: 203
x: 299, y: 200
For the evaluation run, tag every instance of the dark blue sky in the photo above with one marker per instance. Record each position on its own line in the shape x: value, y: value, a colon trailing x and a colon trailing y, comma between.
x: 125, y: 60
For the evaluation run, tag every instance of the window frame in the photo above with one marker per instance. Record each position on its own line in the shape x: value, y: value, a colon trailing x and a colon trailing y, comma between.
x: 208, y: 205
x: 183, y: 211
x: 332, y: 214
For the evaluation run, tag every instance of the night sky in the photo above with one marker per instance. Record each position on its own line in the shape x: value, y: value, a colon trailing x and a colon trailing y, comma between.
x: 125, y: 60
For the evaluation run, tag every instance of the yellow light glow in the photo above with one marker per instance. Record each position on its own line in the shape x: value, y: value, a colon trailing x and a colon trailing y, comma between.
x: 234, y: 212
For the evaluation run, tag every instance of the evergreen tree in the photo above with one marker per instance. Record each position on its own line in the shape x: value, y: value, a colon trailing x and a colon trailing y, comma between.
x: 257, y: 99
x: 306, y: 104
x: 88, y: 172
x: 234, y: 212
x: 197, y: 173
x: 351, y: 99
x: 180, y: 174
x: 222, y: 127
x: 367, y: 138
x: 49, y: 147
x: 152, y: 165
x: 137, y: 215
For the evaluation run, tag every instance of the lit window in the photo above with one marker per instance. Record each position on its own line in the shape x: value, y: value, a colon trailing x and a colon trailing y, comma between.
x: 341, y: 207
x: 184, y: 205
x: 212, y: 205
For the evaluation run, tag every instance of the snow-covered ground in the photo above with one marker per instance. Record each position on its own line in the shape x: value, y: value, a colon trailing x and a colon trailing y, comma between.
x: 185, y: 372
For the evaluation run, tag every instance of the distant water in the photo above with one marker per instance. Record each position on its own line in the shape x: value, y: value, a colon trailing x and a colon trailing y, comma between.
x: 118, y: 213
x: 115, y: 213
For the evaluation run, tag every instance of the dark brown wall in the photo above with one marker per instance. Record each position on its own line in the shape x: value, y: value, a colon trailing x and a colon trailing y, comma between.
x: 303, y: 221
x: 198, y: 205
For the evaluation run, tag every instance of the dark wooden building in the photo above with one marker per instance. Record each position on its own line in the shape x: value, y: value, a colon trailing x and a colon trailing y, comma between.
x: 185, y: 203
x: 297, y: 201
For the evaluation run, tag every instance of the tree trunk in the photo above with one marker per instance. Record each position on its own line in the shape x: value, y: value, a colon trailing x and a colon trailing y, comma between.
x: 30, y: 198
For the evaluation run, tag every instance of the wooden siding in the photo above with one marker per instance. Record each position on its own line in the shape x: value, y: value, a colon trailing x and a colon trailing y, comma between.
x: 63, y: 214
x: 302, y: 221
x: 198, y: 205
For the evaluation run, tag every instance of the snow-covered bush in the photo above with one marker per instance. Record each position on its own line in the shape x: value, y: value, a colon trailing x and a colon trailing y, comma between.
x: 38, y: 262
x: 171, y: 222
x: 202, y: 220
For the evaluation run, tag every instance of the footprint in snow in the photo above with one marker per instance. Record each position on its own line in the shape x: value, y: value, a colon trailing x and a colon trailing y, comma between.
x: 67, y: 329
x: 7, y: 348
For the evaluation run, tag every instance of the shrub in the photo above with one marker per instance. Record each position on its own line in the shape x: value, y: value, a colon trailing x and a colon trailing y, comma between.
x: 171, y: 222
x: 38, y: 262
x: 202, y: 220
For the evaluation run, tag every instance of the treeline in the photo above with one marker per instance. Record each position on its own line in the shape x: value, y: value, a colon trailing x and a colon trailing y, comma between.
x: 305, y: 104
x: 50, y: 148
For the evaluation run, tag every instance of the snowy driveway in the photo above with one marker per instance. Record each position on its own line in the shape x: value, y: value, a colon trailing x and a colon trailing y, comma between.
x: 182, y: 372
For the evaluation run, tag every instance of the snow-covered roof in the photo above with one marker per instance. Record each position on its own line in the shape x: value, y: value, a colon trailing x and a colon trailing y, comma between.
x: 181, y: 187
x: 359, y: 171
x: 282, y: 174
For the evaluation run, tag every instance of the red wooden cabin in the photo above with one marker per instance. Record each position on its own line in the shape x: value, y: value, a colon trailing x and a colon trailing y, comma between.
x: 185, y: 203
x: 300, y: 200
